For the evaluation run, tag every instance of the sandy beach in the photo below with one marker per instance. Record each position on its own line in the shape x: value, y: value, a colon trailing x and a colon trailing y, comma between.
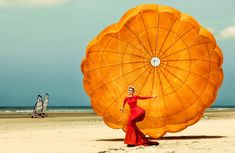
x: 87, y: 133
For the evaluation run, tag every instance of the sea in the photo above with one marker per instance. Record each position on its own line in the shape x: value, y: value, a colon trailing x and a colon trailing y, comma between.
x: 29, y: 109
x: 74, y: 109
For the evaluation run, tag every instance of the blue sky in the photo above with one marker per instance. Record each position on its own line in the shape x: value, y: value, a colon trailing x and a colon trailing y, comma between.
x: 42, y: 43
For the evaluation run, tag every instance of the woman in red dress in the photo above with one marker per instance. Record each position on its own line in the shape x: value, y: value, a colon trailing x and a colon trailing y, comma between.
x: 134, y: 137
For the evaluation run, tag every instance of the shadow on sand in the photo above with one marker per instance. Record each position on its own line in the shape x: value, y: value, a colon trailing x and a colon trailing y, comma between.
x: 174, y: 138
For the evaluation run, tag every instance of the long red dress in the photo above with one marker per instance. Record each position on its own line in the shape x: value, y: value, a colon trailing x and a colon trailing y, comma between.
x: 133, y: 135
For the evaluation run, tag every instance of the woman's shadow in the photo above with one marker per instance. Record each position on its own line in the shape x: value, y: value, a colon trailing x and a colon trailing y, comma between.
x: 174, y: 138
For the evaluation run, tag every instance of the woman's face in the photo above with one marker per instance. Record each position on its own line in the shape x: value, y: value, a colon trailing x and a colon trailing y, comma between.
x: 130, y: 91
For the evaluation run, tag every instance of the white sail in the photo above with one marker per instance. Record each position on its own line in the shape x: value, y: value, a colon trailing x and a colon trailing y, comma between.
x: 38, y: 106
x: 45, y: 103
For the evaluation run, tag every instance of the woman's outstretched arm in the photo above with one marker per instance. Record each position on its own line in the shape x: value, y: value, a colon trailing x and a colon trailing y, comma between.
x: 144, y: 97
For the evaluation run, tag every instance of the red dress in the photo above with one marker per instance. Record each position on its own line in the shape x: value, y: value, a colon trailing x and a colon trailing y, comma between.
x: 133, y: 135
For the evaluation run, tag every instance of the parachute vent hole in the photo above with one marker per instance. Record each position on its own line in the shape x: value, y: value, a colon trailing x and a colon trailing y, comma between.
x: 155, y: 61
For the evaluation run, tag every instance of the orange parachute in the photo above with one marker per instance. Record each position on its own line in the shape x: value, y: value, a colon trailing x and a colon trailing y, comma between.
x: 161, y: 52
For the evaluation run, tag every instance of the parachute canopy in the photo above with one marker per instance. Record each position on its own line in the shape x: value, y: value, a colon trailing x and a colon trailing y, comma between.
x: 160, y: 51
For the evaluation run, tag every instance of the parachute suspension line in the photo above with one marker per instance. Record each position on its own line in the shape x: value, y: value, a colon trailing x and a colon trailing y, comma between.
x: 120, y: 68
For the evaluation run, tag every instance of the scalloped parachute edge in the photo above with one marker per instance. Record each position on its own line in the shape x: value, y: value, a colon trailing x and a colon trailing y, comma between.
x: 115, y: 28
x: 206, y: 33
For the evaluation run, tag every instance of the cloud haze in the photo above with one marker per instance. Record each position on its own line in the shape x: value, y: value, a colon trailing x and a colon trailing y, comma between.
x: 228, y: 32
x: 23, y: 3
